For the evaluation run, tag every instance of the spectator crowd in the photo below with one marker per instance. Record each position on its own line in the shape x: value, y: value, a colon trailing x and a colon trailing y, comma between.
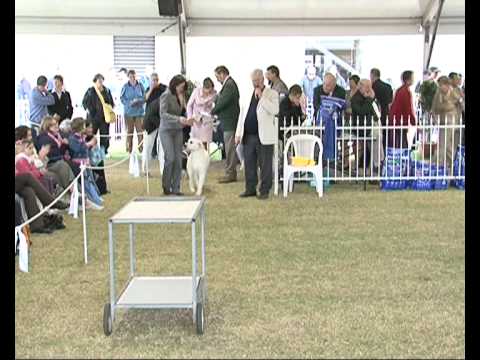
x: 49, y: 153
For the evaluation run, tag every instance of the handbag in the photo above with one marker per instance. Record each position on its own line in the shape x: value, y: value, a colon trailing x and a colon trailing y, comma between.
x: 109, y: 114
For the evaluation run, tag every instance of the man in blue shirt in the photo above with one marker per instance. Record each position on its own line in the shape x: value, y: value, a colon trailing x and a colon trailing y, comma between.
x: 132, y: 97
x: 40, y: 99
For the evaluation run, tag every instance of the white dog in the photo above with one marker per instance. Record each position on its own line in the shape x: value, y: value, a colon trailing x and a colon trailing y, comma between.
x: 197, y: 165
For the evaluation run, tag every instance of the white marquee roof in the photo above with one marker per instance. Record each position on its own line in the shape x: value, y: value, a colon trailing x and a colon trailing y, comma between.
x: 237, y: 17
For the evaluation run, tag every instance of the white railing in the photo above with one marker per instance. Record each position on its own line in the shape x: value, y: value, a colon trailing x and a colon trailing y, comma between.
x: 387, y: 153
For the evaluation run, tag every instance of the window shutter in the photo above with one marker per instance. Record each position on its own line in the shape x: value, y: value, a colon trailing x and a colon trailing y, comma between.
x: 134, y: 52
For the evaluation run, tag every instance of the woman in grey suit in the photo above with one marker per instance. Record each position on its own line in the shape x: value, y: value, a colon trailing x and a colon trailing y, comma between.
x: 172, y: 120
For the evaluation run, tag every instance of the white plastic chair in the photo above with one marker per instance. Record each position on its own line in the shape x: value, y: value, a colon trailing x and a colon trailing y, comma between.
x: 303, y: 146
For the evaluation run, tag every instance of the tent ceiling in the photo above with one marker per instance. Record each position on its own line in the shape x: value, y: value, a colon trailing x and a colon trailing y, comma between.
x: 311, y: 9
x: 206, y: 17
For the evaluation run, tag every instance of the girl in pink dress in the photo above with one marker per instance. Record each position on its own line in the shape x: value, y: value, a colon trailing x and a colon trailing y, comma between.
x: 199, y: 107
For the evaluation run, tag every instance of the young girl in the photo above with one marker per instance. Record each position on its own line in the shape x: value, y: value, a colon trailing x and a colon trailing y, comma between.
x: 79, y: 150
x: 24, y: 163
x: 199, y: 107
x: 96, y: 155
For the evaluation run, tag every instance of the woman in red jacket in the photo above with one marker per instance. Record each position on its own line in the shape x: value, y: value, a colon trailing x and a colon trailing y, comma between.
x: 24, y: 163
x: 401, y: 112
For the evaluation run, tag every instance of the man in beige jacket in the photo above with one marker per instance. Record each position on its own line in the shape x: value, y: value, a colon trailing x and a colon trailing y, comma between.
x: 445, y: 107
x: 257, y: 132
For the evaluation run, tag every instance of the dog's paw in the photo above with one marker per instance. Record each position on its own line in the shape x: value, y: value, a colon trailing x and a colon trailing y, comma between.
x: 198, y: 193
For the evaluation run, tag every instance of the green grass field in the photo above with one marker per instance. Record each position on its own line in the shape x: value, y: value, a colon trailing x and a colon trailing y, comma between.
x: 353, y: 275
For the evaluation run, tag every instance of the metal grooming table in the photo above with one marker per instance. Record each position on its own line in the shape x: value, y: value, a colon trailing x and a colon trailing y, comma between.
x: 159, y: 292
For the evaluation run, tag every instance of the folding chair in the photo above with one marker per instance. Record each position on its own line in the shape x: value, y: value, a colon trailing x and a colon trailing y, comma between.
x: 304, y: 148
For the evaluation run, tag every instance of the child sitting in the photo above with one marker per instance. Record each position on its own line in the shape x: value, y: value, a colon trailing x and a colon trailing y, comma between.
x: 97, y: 155
x: 79, y: 149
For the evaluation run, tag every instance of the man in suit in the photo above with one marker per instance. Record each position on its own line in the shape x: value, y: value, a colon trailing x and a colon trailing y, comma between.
x: 227, y: 110
x: 258, y: 133
x: 328, y: 88
x: 63, y: 102
x: 383, y: 94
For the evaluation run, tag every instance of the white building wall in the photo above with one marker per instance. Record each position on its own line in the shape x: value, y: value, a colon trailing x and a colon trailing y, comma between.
x: 79, y: 57
x: 241, y: 55
x: 167, y: 57
x: 449, y: 54
x: 392, y: 55
x: 76, y: 57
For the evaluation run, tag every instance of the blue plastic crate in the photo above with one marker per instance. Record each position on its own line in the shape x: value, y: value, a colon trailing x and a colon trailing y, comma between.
x: 387, y: 185
x: 395, y: 165
x: 421, y: 169
x: 441, y: 184
x: 393, y: 171
x: 397, y: 153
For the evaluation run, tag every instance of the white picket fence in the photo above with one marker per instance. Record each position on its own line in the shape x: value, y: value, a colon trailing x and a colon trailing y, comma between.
x: 425, y: 151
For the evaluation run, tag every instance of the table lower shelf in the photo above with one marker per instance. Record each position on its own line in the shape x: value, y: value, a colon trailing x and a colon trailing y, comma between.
x: 162, y: 291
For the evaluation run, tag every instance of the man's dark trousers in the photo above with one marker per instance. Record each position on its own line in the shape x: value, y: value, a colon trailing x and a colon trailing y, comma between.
x: 256, y: 153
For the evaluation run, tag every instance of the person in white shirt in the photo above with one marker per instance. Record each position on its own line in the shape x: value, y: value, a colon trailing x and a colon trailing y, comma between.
x: 258, y: 133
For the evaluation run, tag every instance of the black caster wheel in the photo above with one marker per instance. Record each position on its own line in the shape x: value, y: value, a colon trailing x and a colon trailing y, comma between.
x: 107, y: 320
x: 200, y: 319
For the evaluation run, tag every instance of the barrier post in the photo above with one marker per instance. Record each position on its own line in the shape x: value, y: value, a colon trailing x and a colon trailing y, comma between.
x: 82, y: 181
x: 145, y: 153
x: 275, y: 159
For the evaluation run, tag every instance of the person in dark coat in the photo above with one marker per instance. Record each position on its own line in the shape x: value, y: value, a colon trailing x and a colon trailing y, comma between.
x: 151, y: 121
x: 92, y: 103
x: 155, y: 90
x: 363, y: 114
x: 63, y: 102
x: 227, y: 110
x: 290, y: 110
x: 383, y: 95
x: 151, y: 124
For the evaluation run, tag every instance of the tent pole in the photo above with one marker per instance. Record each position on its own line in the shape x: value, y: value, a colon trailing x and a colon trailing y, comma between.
x: 432, y: 14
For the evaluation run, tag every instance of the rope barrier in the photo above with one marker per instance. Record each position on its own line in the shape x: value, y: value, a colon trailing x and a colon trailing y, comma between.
x: 114, y: 164
x: 23, y: 246
x: 117, y: 135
